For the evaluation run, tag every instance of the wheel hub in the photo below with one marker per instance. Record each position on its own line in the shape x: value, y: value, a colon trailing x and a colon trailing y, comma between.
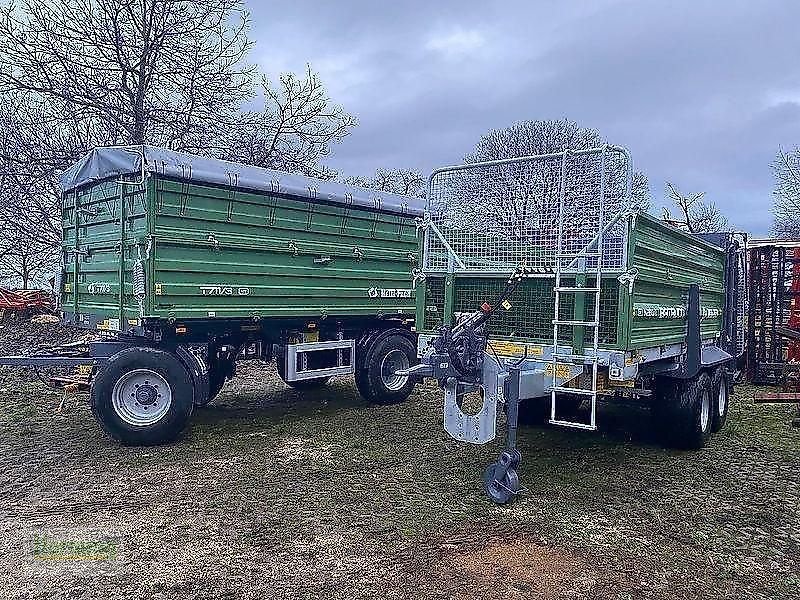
x: 394, y: 361
x: 141, y: 397
x: 146, y: 395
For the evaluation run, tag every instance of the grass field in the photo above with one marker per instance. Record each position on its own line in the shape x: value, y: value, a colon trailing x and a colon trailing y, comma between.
x: 273, y: 494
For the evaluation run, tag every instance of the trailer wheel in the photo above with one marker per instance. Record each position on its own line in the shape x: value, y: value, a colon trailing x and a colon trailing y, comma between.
x: 688, y: 408
x: 376, y: 379
x: 301, y: 384
x: 199, y: 373
x: 221, y: 368
x: 142, y: 397
x: 216, y: 379
x: 500, y: 491
x: 721, y: 395
x: 219, y: 372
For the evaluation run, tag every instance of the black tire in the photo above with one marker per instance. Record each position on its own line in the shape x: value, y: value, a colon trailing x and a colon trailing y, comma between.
x: 721, y: 394
x: 681, y: 412
x: 301, y: 385
x: 659, y: 415
x: 378, y: 387
x: 508, y: 488
x: 221, y: 368
x: 166, y: 365
x: 219, y: 371
x: 200, y: 375
x: 217, y: 377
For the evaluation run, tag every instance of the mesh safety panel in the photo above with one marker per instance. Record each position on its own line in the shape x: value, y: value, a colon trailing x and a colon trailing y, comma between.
x: 434, y: 302
x: 498, y: 215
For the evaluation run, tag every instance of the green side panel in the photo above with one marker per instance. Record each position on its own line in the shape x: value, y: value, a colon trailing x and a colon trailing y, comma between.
x: 668, y: 261
x: 532, y: 308
x: 227, y: 253
x: 101, y: 225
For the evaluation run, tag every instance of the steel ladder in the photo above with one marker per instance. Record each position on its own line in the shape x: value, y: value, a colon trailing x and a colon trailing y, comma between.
x: 575, y: 263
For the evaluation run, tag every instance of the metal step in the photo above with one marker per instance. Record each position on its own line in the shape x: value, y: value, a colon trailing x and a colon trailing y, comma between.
x: 577, y: 289
x: 580, y: 323
x: 576, y: 391
x: 589, y: 264
x: 585, y: 426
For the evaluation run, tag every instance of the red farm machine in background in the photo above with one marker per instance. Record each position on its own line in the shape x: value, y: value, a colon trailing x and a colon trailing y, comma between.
x: 25, y: 302
x: 773, y: 331
x: 792, y: 332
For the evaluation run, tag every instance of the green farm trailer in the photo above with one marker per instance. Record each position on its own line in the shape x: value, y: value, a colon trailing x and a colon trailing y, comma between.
x: 546, y: 290
x: 187, y: 263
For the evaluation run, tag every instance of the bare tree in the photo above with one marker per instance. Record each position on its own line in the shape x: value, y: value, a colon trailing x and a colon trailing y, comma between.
x: 29, y: 164
x: 130, y: 71
x: 522, y: 199
x: 295, y: 129
x: 527, y: 138
x: 407, y: 182
x: 786, y: 208
x: 695, y: 215
x: 24, y: 263
x: 640, y: 191
x: 84, y: 73
x: 29, y: 230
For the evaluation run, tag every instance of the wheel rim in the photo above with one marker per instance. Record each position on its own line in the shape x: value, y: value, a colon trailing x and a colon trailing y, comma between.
x: 392, y: 362
x: 705, y: 410
x: 722, y: 400
x: 141, y: 397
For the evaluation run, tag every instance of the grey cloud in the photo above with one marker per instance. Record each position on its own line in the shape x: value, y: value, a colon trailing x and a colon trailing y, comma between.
x: 703, y: 93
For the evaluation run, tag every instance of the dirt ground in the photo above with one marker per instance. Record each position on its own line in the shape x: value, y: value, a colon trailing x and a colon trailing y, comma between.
x: 273, y: 494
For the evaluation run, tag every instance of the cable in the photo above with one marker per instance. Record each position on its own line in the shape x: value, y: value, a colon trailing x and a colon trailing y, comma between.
x: 524, y: 357
x: 494, y: 352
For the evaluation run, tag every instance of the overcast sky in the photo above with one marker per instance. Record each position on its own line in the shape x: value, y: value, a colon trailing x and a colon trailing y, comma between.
x: 703, y: 93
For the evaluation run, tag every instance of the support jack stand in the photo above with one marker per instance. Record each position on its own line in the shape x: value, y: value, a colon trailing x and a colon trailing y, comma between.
x: 500, y: 480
